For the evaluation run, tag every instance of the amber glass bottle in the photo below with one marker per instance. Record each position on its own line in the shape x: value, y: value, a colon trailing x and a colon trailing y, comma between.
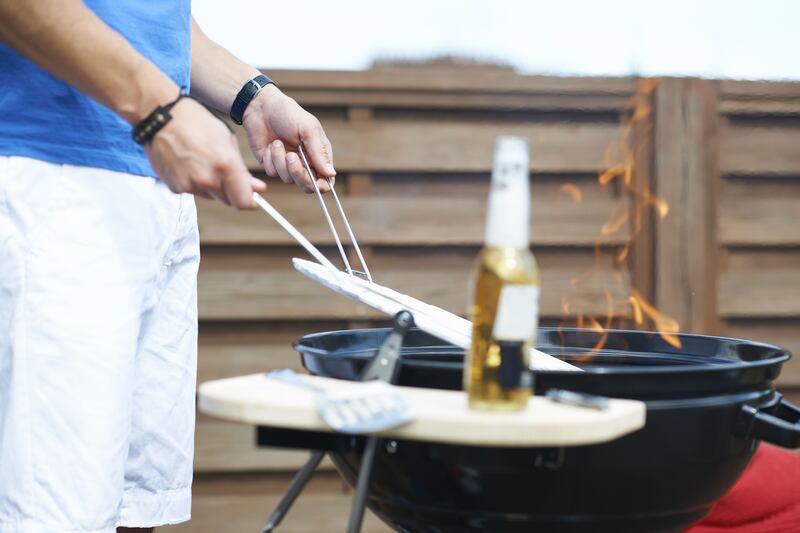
x: 505, y: 290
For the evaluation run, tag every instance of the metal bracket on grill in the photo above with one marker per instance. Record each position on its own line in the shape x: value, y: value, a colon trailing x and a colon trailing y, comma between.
x: 384, y: 366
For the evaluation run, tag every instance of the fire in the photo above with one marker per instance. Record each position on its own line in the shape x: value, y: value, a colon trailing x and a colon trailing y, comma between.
x: 666, y: 326
x: 620, y: 159
x: 573, y: 191
x: 616, y: 222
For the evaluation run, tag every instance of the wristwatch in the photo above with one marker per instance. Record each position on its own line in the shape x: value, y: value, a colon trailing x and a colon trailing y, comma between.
x: 246, y: 95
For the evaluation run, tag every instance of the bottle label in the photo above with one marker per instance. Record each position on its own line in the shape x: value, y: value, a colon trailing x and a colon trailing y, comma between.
x: 513, y: 373
x: 517, y: 313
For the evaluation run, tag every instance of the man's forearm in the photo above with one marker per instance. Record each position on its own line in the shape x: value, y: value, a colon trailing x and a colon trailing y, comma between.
x: 217, y: 75
x: 67, y: 39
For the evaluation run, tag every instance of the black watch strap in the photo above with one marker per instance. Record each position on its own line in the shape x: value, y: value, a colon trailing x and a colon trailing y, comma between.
x: 246, y: 95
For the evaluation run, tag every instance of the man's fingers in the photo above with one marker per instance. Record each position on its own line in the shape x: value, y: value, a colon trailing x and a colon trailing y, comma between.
x: 203, y: 184
x: 300, y: 175
x: 298, y: 172
x: 258, y: 185
x: 328, y: 148
x: 266, y: 162
x: 217, y: 195
x: 255, y: 184
x: 324, y: 184
x: 238, y: 189
x: 319, y: 152
x: 279, y: 161
x: 204, y: 194
x: 235, y: 179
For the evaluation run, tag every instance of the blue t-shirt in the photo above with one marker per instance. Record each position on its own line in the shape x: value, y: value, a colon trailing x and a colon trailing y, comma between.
x: 44, y: 118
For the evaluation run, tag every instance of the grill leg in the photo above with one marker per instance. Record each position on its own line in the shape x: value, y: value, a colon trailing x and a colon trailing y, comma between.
x: 362, y: 486
x: 297, y: 485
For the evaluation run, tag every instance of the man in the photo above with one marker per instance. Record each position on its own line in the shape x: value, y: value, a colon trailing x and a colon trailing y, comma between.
x: 98, y: 257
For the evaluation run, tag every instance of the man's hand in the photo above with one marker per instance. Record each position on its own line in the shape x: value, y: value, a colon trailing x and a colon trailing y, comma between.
x: 196, y: 153
x: 276, y: 125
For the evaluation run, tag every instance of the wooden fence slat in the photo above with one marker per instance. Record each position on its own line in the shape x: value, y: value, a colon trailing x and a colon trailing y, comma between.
x: 747, y: 89
x: 760, y: 107
x: 250, y: 286
x: 234, y: 348
x: 792, y: 395
x: 450, y: 100
x: 758, y: 212
x: 240, y: 503
x: 451, y: 80
x: 464, y: 146
x: 424, y: 217
x: 760, y: 284
x: 784, y: 333
x: 760, y: 150
x: 222, y: 446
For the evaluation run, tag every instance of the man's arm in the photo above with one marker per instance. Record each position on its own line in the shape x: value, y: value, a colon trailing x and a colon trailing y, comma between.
x: 275, y: 124
x: 193, y: 153
x: 67, y: 39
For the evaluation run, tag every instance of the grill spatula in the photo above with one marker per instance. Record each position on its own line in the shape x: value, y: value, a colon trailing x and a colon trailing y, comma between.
x: 361, y: 407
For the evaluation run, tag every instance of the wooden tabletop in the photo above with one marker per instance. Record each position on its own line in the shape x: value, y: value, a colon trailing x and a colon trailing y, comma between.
x: 442, y: 416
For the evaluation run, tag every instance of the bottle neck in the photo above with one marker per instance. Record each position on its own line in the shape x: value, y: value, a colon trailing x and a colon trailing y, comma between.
x: 508, y: 213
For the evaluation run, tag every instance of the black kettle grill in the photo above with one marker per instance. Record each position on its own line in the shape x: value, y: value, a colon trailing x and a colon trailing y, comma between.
x: 709, y: 404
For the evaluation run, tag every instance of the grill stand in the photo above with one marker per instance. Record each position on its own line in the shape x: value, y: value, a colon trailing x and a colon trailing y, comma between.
x: 297, y: 485
x: 384, y: 366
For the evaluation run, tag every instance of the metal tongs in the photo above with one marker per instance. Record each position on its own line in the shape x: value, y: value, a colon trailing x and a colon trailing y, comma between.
x: 310, y: 248
x: 359, y: 286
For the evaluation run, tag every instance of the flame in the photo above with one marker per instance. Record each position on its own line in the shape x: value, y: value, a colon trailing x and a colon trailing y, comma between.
x: 616, y: 222
x: 666, y: 326
x: 620, y: 163
x: 573, y: 191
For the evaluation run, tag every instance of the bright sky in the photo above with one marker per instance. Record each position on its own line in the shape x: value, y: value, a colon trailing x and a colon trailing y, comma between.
x: 751, y: 39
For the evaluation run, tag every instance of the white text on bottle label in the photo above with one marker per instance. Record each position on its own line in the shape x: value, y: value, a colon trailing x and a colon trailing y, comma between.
x: 517, y: 313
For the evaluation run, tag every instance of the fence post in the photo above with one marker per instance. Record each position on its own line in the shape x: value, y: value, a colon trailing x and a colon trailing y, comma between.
x: 686, y: 177
x: 642, y: 257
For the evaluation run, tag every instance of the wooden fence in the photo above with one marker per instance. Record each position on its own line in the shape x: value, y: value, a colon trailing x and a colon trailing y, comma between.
x: 413, y: 148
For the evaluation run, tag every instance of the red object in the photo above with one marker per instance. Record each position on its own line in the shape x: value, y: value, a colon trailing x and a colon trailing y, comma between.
x: 766, y: 499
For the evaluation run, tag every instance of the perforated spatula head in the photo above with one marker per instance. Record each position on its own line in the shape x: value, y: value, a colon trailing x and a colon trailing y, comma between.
x: 359, y: 407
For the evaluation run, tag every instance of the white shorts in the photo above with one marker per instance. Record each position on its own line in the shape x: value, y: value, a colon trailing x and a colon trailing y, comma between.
x: 98, y: 349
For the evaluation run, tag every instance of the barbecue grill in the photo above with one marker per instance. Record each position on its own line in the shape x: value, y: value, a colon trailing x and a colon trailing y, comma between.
x: 709, y: 404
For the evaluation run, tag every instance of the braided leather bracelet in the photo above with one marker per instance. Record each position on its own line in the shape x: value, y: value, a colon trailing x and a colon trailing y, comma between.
x: 145, y: 130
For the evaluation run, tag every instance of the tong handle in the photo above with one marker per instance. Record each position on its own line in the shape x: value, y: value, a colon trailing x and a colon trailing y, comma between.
x: 294, y: 232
